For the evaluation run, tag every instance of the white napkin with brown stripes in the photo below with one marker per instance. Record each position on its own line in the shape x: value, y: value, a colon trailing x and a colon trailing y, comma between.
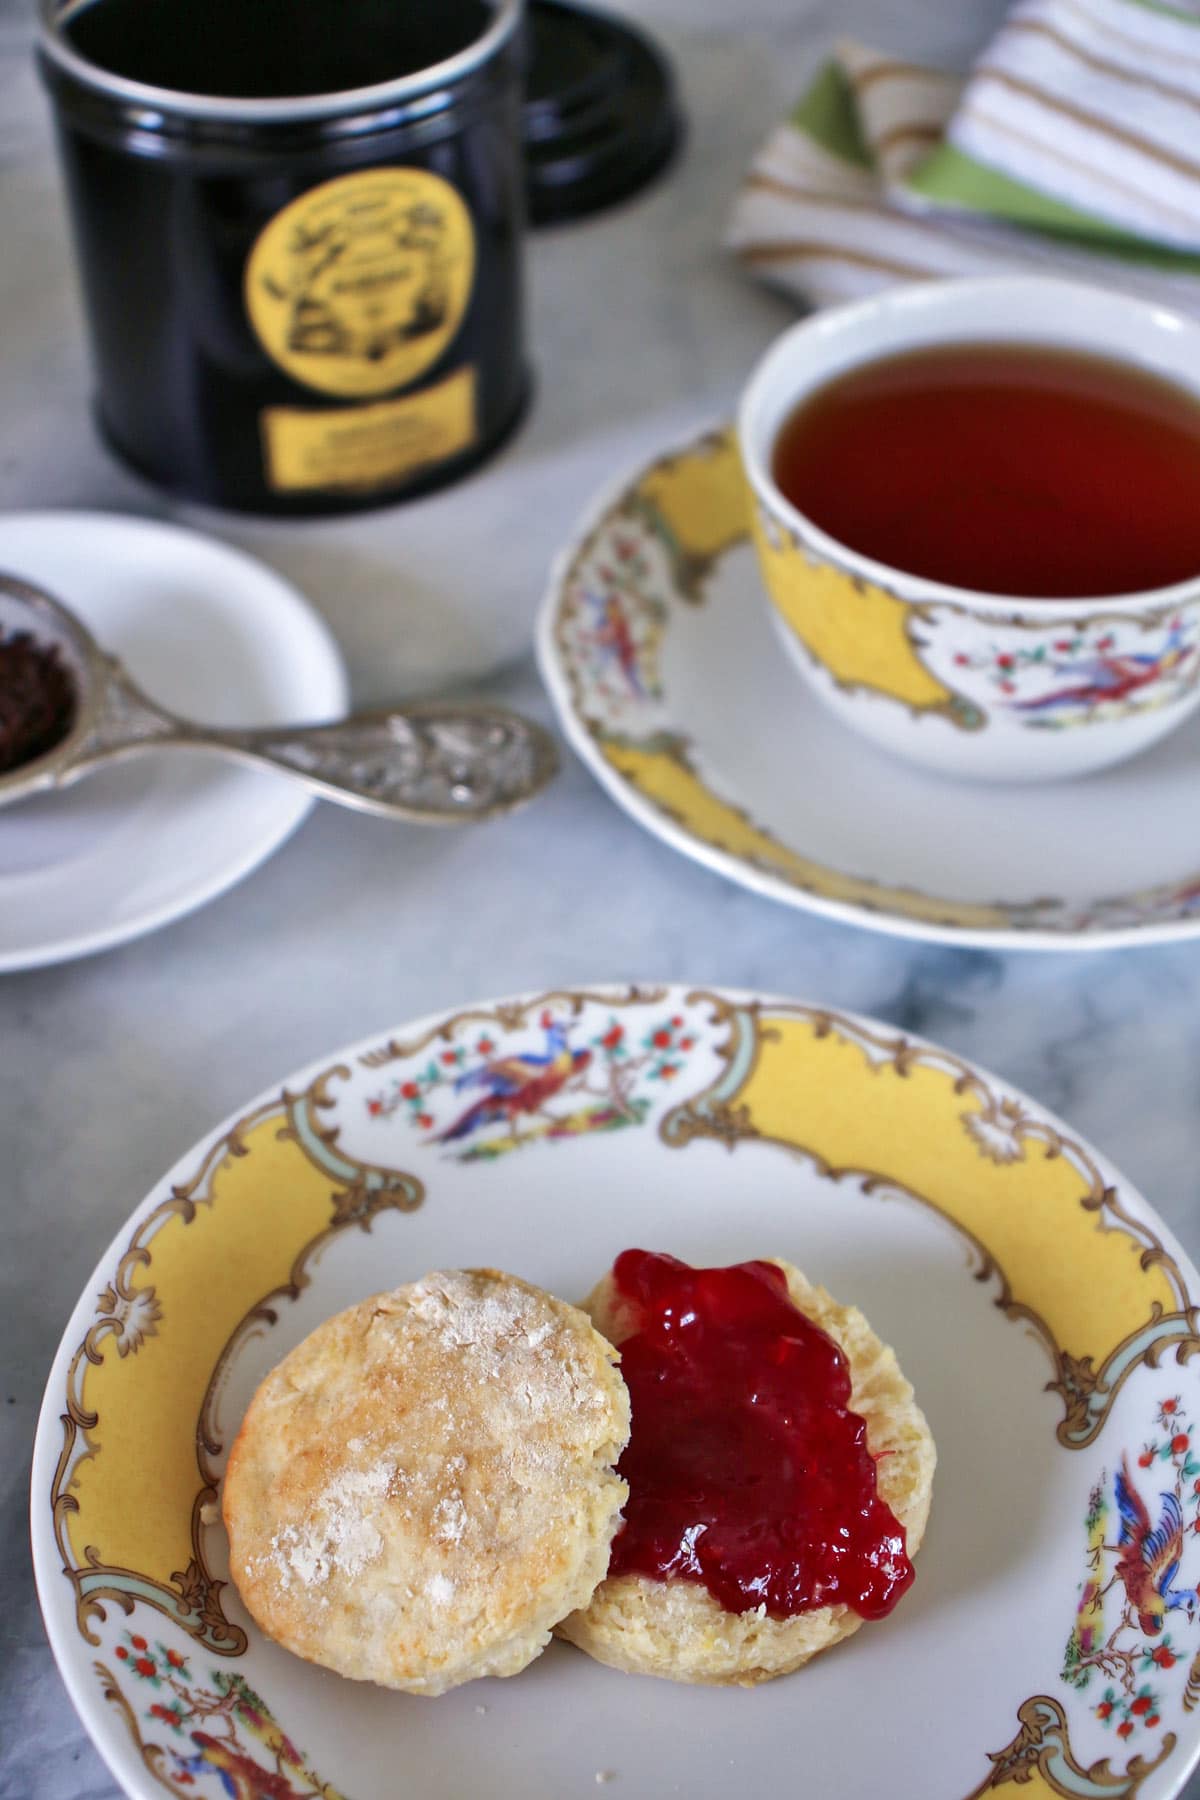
x: 1073, y: 145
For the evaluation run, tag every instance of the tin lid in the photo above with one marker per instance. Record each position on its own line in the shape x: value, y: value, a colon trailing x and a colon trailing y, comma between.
x: 358, y: 109
x: 601, y: 116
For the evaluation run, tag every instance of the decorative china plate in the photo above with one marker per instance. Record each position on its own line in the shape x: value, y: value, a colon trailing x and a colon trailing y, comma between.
x: 1046, y: 1318
x: 214, y: 636
x: 657, y: 647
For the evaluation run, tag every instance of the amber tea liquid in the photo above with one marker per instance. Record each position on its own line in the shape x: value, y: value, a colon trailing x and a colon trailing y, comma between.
x: 1003, y: 468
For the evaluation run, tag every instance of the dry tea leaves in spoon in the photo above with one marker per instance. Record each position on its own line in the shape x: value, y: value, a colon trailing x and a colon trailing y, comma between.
x: 37, y: 699
x: 436, y: 763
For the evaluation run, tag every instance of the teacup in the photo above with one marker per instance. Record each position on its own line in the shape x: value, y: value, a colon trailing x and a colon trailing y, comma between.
x: 991, y: 686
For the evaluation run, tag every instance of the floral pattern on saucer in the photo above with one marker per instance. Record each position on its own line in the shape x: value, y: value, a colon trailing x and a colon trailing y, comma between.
x: 620, y: 623
x: 642, y: 566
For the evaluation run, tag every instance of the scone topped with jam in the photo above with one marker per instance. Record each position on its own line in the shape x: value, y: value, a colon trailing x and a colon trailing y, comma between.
x: 779, y: 1470
x: 425, y: 1486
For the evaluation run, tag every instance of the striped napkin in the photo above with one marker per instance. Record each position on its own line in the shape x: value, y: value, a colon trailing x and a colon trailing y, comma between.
x: 1073, y: 147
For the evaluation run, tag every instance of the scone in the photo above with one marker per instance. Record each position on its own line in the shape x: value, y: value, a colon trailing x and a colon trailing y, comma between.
x: 425, y: 1485
x: 675, y: 1627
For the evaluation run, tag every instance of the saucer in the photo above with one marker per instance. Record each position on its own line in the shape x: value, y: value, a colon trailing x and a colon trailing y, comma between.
x: 1043, y: 1313
x: 656, y: 645
x: 213, y: 636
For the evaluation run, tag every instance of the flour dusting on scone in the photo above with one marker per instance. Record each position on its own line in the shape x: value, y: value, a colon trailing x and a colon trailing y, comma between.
x: 425, y: 1486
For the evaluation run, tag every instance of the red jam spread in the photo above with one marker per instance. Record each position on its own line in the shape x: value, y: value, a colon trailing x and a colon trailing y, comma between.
x: 746, y: 1470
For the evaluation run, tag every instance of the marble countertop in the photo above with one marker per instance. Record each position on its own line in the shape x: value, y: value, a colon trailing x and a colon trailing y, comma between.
x: 111, y: 1067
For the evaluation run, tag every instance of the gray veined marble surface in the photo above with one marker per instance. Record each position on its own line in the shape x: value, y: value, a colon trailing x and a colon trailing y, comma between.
x: 110, y: 1068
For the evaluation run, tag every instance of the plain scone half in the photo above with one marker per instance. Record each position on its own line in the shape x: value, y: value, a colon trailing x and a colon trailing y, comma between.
x: 424, y: 1486
x: 675, y: 1628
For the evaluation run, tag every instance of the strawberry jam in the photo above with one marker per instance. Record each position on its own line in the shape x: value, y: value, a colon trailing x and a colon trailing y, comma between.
x: 746, y: 1469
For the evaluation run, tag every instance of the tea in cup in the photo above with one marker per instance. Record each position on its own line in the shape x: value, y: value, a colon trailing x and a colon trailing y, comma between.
x: 977, y: 513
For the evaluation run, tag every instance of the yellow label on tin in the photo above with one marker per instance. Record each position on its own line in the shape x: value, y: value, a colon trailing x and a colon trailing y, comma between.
x: 369, y: 446
x: 359, y: 285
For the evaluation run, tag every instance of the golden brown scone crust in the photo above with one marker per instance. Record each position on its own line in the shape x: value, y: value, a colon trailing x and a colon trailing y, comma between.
x: 424, y: 1486
x: 676, y: 1628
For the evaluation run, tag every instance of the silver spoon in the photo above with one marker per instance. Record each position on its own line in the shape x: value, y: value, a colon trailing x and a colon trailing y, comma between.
x: 435, y: 763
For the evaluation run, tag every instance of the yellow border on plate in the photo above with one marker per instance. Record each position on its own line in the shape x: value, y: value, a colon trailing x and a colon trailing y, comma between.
x: 207, y: 1266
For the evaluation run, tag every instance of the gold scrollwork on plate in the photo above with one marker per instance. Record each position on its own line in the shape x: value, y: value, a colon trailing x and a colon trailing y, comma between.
x: 130, y: 1527
x: 1040, y: 1758
x: 823, y: 1086
x: 508, y: 1016
x: 865, y: 1107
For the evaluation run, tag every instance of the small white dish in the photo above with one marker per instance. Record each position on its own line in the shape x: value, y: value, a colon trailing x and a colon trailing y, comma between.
x: 669, y: 681
x: 208, y: 632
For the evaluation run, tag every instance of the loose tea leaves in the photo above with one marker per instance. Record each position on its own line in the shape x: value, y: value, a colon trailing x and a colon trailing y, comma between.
x: 37, y: 699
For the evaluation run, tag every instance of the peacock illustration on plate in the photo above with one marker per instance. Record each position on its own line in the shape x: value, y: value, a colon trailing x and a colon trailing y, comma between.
x: 1136, y: 1615
x: 535, y: 1092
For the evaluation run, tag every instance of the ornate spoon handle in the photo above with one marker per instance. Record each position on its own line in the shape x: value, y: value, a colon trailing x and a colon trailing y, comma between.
x: 434, y: 763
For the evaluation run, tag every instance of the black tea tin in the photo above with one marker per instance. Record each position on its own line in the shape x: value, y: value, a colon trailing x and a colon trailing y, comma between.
x: 298, y: 226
